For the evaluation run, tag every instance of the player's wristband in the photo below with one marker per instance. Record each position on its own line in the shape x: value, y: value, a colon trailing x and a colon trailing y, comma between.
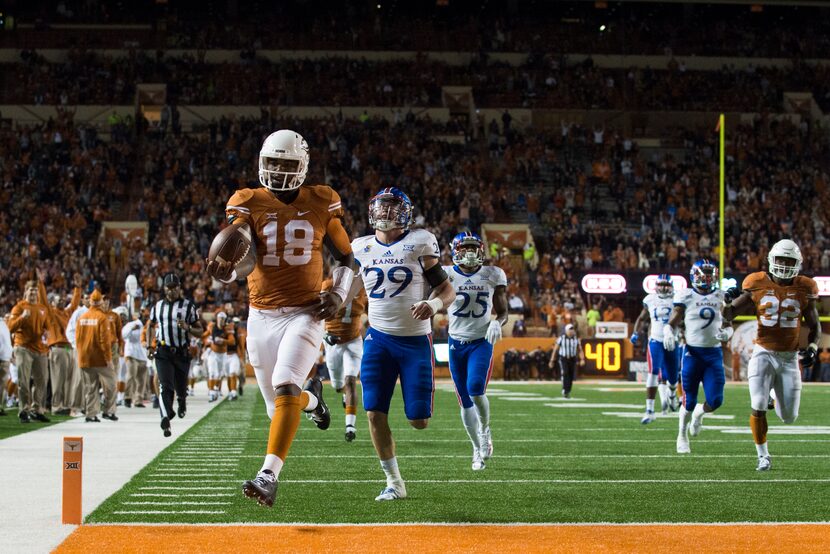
x: 436, y: 304
x: 341, y: 281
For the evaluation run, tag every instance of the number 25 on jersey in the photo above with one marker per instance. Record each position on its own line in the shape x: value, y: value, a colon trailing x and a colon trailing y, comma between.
x: 298, y: 239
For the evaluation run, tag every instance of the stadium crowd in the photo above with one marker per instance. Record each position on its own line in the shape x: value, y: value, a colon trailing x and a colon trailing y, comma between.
x: 542, y: 81
x: 664, y: 211
x: 714, y: 30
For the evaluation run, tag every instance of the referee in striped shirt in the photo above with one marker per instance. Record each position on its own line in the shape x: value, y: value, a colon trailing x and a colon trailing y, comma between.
x: 174, y: 320
x: 567, y: 351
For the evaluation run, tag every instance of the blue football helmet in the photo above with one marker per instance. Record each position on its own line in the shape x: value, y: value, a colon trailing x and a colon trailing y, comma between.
x: 390, y: 209
x: 704, y: 276
x: 467, y: 249
x: 665, y: 288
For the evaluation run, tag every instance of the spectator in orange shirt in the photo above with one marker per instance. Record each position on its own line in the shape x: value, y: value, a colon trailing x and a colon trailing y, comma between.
x: 613, y: 313
x: 28, y: 325
x: 94, y: 340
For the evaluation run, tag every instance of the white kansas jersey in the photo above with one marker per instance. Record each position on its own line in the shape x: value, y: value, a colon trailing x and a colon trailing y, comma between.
x: 659, y: 310
x: 470, y: 313
x: 394, y: 280
x: 703, y: 318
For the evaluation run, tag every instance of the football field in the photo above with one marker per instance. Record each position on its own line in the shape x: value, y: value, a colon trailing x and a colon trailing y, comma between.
x: 587, y: 459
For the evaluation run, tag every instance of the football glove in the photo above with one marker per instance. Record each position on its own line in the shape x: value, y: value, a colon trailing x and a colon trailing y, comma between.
x: 493, y: 332
x: 669, y: 340
x: 724, y: 334
x: 807, y: 357
x: 331, y: 339
x: 731, y: 294
x: 635, y: 338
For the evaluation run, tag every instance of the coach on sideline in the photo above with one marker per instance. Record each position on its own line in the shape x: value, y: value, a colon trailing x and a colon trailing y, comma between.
x: 94, y: 338
x: 175, y: 320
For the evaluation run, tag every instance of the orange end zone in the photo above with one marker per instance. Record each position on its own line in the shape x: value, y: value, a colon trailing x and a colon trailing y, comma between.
x: 447, y: 538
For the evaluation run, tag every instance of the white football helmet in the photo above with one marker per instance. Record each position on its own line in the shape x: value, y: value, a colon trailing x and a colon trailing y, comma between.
x: 283, y: 161
x: 784, y: 249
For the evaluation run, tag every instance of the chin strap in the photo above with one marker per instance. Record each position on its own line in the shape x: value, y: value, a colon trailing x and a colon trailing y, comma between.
x: 341, y: 281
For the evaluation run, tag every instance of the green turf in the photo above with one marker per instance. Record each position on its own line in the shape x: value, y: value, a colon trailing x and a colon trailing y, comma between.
x: 570, y: 459
x: 10, y: 424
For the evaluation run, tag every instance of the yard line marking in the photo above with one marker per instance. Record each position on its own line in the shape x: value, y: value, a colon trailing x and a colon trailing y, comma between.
x: 670, y: 415
x: 596, y: 405
x: 180, y: 494
x: 166, y: 488
x: 177, y: 503
x: 145, y: 512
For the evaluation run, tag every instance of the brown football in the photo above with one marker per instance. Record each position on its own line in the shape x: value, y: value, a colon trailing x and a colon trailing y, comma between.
x: 233, y: 244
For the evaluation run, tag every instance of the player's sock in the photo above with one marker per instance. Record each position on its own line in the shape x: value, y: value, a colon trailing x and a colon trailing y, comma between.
x: 120, y: 387
x: 232, y: 382
x: 663, y: 391
x: 193, y: 383
x: 759, y: 433
x: 649, y: 404
x: 308, y: 402
x: 393, y: 474
x: 351, y: 415
x: 210, y: 384
x: 683, y: 416
x: 284, y: 426
x: 698, y: 412
x: 482, y: 405
x: 470, y: 419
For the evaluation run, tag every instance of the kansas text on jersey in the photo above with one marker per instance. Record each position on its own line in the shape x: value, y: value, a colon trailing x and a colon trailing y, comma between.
x: 470, y: 312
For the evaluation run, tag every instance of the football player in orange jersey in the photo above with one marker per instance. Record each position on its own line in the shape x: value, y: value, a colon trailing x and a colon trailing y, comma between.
x: 289, y: 224
x: 344, y: 350
x: 780, y: 297
x: 220, y: 339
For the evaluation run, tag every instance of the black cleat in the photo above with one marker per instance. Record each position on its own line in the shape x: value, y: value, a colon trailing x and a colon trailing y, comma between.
x: 2, y: 412
x: 321, y: 415
x: 155, y: 402
x: 165, y: 426
x: 93, y: 419
x: 111, y: 417
x: 263, y: 488
x: 182, y: 410
x: 24, y: 417
x: 128, y: 403
x: 350, y: 433
x: 39, y: 417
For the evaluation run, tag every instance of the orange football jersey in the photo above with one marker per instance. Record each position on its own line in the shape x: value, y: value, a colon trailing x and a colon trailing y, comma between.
x: 346, y: 322
x: 289, y: 242
x: 779, y: 309
x: 226, y: 334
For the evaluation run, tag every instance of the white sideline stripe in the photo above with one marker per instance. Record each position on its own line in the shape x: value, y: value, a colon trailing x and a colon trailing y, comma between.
x: 169, y: 512
x: 564, y: 481
x: 467, y: 440
x: 553, y: 456
x: 183, y: 480
x: 180, y: 494
x: 154, y: 476
x: 468, y: 524
x: 177, y: 503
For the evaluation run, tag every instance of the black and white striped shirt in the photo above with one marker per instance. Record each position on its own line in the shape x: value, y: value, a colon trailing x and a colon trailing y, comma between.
x: 568, y: 346
x: 165, y: 314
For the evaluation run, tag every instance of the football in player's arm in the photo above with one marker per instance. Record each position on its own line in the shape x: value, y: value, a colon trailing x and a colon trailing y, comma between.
x: 699, y: 309
x: 779, y: 297
x: 479, y: 289
x: 399, y: 267
x: 288, y: 224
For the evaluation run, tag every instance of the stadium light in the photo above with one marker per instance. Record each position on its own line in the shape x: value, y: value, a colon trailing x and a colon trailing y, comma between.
x: 600, y: 283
